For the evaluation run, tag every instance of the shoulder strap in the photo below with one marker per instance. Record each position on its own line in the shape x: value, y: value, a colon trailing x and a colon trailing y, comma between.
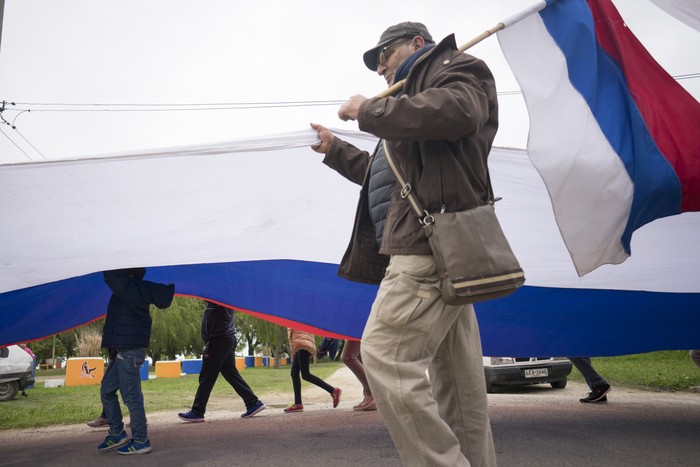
x: 406, y: 189
x: 424, y: 216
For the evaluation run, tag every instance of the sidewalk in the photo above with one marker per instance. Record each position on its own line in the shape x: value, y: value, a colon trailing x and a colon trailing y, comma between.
x: 231, y: 407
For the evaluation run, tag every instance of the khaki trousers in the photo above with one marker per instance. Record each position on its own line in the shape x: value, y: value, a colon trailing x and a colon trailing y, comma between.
x: 424, y: 365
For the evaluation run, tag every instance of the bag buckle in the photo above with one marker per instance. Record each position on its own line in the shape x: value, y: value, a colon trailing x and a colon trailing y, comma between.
x: 428, y: 219
x: 405, y: 190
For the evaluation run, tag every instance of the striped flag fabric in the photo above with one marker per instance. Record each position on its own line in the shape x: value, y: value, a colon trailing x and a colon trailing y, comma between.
x: 614, y: 137
x: 260, y: 225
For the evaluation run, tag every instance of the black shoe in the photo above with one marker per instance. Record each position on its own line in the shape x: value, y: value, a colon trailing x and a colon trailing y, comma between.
x: 598, y: 394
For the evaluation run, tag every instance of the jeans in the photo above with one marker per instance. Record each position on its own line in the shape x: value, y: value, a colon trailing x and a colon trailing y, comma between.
x: 125, y: 376
x: 583, y: 365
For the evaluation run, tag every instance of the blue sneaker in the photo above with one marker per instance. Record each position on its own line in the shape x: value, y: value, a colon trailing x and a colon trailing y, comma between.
x: 113, y: 441
x: 190, y: 417
x: 135, y: 447
x: 254, y: 409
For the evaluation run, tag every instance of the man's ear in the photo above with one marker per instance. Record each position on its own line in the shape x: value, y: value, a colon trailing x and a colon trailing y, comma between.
x: 417, y: 43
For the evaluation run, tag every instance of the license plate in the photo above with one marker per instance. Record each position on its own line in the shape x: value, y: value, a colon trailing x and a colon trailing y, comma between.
x: 536, y: 372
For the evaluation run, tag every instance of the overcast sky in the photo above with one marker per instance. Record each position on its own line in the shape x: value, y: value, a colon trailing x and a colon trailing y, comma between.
x: 216, y: 51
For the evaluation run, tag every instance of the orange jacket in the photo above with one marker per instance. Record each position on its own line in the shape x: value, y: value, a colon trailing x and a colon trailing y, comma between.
x: 300, y: 340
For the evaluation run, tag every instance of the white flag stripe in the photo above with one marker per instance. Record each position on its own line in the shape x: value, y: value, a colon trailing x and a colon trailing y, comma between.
x: 564, y: 139
x: 69, y: 218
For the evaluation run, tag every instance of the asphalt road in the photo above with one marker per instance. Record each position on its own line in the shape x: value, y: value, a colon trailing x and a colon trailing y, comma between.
x: 532, y: 426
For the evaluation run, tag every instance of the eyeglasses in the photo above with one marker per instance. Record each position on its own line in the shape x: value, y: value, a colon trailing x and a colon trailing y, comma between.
x: 389, y: 49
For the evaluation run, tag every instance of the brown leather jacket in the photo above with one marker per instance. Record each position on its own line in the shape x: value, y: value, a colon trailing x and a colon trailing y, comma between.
x: 440, y: 132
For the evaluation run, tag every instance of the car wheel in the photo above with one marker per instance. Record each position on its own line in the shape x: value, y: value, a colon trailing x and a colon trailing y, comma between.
x: 561, y: 384
x: 8, y: 390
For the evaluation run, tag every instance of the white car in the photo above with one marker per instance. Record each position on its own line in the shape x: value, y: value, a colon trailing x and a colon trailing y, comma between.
x: 514, y: 371
x: 15, y: 371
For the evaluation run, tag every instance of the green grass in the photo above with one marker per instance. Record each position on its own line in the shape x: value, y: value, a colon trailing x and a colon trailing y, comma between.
x: 660, y: 371
x: 78, y: 404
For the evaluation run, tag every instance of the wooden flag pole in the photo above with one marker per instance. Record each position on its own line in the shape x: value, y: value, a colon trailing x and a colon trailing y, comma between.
x: 489, y: 32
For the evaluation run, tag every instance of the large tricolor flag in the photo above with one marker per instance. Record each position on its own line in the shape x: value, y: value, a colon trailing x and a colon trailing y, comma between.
x: 260, y: 225
x: 614, y: 137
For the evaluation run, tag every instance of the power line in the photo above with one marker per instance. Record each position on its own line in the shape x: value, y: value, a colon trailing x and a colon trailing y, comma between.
x: 209, y: 106
x: 180, y: 107
x: 687, y: 76
x: 27, y: 141
x: 3, y: 108
x: 11, y: 141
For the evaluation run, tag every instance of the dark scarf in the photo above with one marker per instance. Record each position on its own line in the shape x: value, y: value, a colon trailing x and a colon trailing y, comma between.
x: 405, y: 67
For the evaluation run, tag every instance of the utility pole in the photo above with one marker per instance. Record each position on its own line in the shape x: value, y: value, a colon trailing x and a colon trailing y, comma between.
x: 2, y: 14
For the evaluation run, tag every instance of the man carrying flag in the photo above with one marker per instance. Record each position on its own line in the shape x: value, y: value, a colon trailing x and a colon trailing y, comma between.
x: 440, y: 130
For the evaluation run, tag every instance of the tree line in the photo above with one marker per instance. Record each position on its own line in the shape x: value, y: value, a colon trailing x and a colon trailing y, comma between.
x: 176, y: 331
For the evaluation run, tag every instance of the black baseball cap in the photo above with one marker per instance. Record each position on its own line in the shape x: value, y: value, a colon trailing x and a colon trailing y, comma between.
x: 406, y: 29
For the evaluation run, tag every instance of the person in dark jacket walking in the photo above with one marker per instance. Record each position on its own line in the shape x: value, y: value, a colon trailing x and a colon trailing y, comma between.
x: 219, y: 336
x: 422, y: 357
x: 126, y: 334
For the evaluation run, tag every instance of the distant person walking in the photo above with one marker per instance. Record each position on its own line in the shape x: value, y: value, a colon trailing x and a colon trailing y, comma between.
x: 127, y: 330
x: 219, y: 336
x: 31, y: 354
x: 597, y: 384
x: 302, y: 346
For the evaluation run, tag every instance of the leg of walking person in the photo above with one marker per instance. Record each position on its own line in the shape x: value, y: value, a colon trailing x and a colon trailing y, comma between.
x: 457, y: 374
x: 234, y: 378
x: 333, y: 349
x: 296, y: 378
x: 304, y: 367
x: 215, y: 353
x: 129, y: 362
x: 584, y: 366
x: 599, y: 387
x: 352, y: 359
x: 304, y: 358
x: 405, y: 332
x: 110, y: 400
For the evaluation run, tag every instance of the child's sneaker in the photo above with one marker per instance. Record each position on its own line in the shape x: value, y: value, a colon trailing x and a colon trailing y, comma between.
x: 294, y: 408
x: 190, y: 417
x: 135, y: 447
x: 113, y: 441
x: 335, y: 395
x: 254, y: 409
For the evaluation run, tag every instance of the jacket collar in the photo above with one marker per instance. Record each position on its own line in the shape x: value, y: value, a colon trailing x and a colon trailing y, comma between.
x: 448, y: 43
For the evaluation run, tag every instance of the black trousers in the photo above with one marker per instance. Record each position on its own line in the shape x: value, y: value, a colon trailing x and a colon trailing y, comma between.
x: 300, y: 364
x: 219, y: 358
